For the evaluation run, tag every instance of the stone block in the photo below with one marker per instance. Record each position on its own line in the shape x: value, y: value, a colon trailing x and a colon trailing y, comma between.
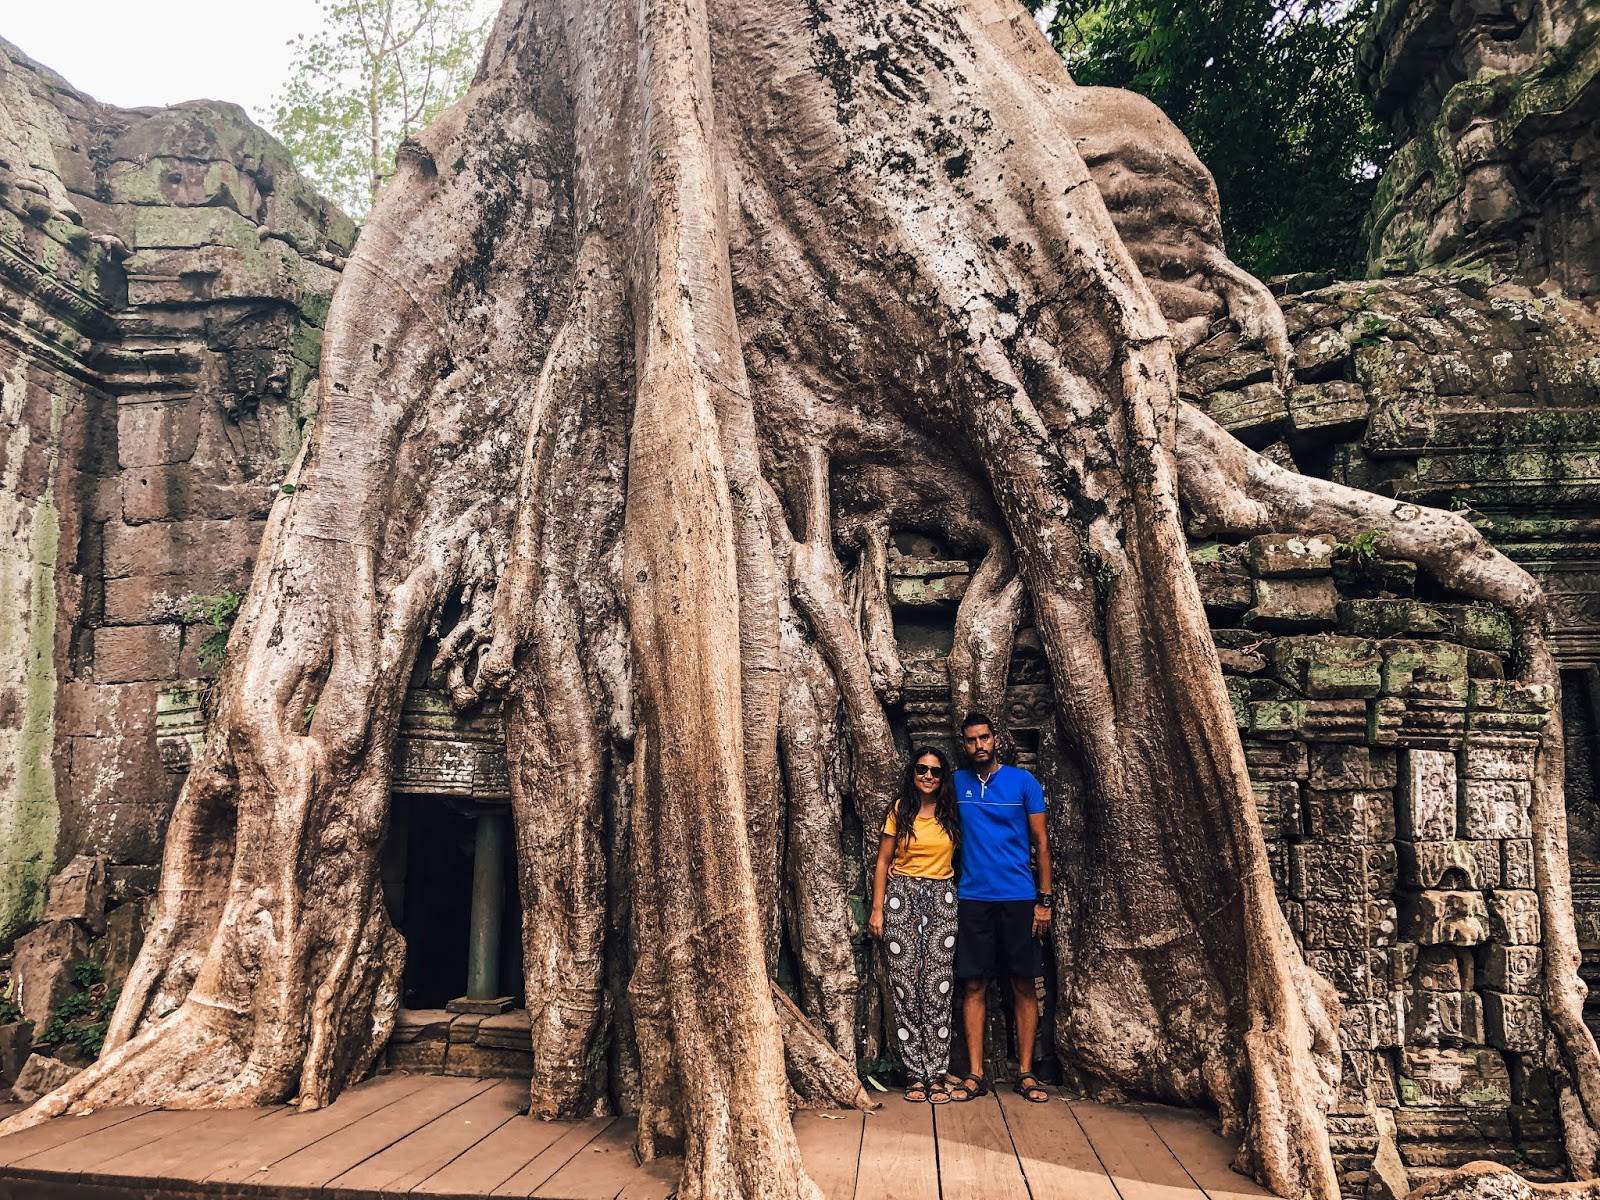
x: 488, y: 1062
x: 508, y: 1031
x: 1436, y: 670
x: 1349, y: 924
x: 1337, y: 721
x: 419, y: 1058
x: 1483, y: 665
x: 1498, y: 758
x: 1513, y: 1022
x: 1438, y: 969
x: 1517, y: 969
x: 1497, y: 809
x: 125, y: 930
x: 78, y: 893
x: 1240, y: 651
x: 1349, y: 970
x: 421, y: 1025
x: 1336, y: 410
x: 129, y: 881
x: 1350, y: 816
x: 1480, y: 626
x: 1514, y: 917
x: 159, y: 434
x: 1277, y: 554
x: 1444, y: 1018
x: 1275, y: 718
x: 1471, y: 866
x: 1390, y: 619
x: 136, y: 653
x: 39, y: 1075
x: 1328, y: 667
x: 1225, y: 589
x: 1454, y: 1078
x: 1293, y: 605
x: 1254, y: 411
x: 1327, y: 871
x: 1278, y: 804
x: 1336, y: 767
x: 1446, y: 918
x: 1275, y: 760
x: 1516, y: 864
x: 1427, y: 796
x: 41, y: 967
x: 16, y: 1044
x: 186, y: 548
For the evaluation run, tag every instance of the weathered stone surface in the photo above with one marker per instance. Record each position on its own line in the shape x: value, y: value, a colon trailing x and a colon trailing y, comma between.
x: 1469, y: 1078
x: 78, y: 893
x: 1350, y: 816
x: 1389, y: 618
x: 125, y: 930
x: 41, y: 965
x: 1497, y: 808
x: 1513, y: 1022
x: 1290, y: 555
x: 41, y: 1074
x: 1437, y: 1018
x: 1328, y: 667
x: 1427, y: 796
x: 16, y: 1043
x: 1514, y: 969
x: 1469, y: 865
x: 1443, y: 918
x: 1293, y: 605
x: 1514, y: 917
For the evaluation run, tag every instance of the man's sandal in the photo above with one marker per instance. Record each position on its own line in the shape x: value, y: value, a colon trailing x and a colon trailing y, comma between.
x: 937, y: 1093
x: 1030, y: 1089
x: 917, y: 1092
x: 970, y: 1088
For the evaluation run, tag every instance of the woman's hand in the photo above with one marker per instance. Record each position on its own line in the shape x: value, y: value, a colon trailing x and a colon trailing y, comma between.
x: 875, y: 924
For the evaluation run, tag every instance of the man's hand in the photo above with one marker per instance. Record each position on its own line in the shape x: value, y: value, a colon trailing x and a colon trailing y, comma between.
x: 1041, y: 920
x: 875, y: 923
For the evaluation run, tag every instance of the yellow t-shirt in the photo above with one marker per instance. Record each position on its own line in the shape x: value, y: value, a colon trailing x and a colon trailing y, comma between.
x: 927, y: 853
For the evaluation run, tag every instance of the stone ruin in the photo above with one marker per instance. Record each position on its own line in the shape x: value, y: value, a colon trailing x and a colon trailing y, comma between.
x: 163, y: 278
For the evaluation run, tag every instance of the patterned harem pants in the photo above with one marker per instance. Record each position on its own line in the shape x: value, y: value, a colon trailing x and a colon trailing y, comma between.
x: 919, y: 934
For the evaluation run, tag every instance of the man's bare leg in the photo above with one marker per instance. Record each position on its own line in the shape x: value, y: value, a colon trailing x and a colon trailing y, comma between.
x: 974, y: 1014
x: 1025, y: 1003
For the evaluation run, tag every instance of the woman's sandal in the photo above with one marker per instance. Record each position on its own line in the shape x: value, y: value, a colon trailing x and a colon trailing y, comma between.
x: 970, y: 1088
x: 937, y: 1093
x: 1030, y: 1089
x: 917, y: 1092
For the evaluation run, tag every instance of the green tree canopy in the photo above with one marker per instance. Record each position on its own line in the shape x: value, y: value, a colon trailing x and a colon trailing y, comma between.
x: 376, y: 71
x: 1267, y: 93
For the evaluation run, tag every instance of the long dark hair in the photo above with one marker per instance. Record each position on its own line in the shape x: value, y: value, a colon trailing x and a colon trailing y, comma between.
x: 910, y: 802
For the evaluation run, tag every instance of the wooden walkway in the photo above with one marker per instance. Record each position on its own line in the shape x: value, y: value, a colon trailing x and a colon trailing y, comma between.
x: 422, y: 1135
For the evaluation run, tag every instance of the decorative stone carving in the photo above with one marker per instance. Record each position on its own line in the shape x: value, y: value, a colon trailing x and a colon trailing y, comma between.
x: 1440, y: 918
x: 1427, y: 799
x: 1514, y: 917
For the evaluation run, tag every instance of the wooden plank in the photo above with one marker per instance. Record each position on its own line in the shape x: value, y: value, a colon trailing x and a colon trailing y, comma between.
x: 87, y: 1153
x: 253, y: 1158
x: 574, y: 1136
x: 494, y: 1160
x: 603, y: 1169
x: 337, y: 1153
x: 62, y: 1129
x: 183, y: 1155
x: 1138, y: 1162
x: 898, y: 1158
x: 1204, y: 1153
x: 438, y: 1143
x: 976, y: 1158
x: 1057, y: 1159
x: 656, y: 1180
x: 830, y: 1145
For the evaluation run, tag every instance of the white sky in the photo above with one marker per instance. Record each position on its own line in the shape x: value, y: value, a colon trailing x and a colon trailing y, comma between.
x: 137, y: 52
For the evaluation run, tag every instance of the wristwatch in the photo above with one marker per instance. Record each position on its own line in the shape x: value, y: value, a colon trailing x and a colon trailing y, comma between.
x: 1045, y: 900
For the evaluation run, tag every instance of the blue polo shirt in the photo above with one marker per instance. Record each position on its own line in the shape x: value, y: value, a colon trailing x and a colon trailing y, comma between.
x: 994, y: 833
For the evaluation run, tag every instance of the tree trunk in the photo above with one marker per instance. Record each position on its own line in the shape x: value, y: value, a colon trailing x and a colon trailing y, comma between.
x: 651, y: 342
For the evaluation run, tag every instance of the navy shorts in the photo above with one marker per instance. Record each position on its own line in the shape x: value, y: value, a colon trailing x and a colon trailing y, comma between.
x: 991, y: 933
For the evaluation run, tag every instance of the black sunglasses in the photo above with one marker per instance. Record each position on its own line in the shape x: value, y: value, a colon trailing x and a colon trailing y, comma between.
x: 925, y: 769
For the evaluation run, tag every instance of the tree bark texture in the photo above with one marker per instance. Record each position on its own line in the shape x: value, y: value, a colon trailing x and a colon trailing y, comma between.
x: 651, y: 342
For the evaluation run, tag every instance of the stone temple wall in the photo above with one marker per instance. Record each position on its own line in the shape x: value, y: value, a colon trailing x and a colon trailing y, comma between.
x: 1493, y: 105
x: 164, y: 274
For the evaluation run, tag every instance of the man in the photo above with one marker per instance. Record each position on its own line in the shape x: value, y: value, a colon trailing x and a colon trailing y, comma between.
x: 1002, y: 912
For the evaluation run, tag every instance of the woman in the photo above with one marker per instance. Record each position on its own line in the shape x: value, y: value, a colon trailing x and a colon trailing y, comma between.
x: 915, y: 915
